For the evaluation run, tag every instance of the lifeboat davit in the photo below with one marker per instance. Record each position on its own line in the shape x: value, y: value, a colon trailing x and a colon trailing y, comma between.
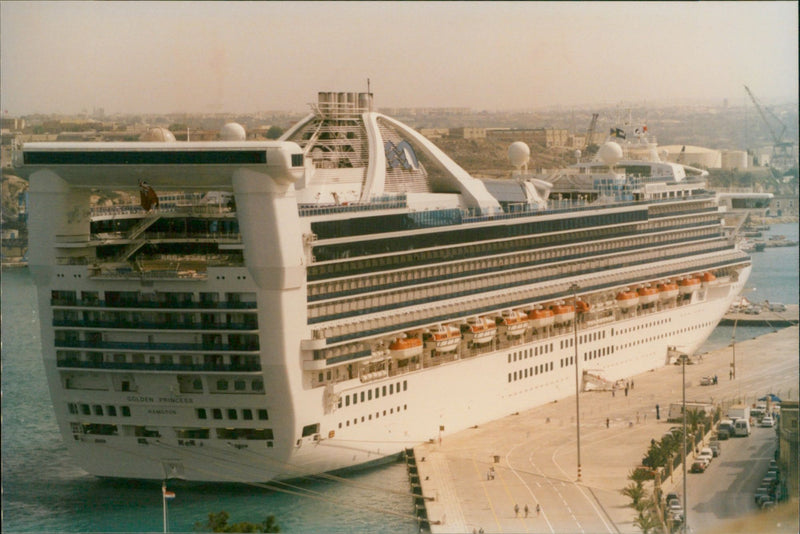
x: 479, y: 330
x: 563, y: 312
x: 667, y: 290
x: 688, y: 286
x: 405, y: 347
x: 627, y: 299
x: 512, y: 323
x: 540, y: 318
x: 709, y: 279
x: 647, y: 294
x: 582, y: 306
x: 445, y: 338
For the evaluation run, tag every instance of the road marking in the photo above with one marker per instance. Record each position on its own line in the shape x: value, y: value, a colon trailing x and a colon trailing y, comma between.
x: 485, y: 492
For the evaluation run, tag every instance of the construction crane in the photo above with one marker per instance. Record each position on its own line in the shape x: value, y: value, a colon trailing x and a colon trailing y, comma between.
x: 590, y: 130
x: 782, y: 151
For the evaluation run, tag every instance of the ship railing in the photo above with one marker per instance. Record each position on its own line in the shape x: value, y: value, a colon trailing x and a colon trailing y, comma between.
x: 141, y: 346
x: 215, y: 367
x: 148, y: 325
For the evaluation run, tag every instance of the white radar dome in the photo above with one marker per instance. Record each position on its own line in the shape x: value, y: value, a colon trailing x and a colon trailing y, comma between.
x: 610, y: 153
x: 519, y: 154
x: 233, y: 131
x: 158, y: 135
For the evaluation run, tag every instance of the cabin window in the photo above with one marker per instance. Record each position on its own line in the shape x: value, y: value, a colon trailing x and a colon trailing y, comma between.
x: 201, y: 413
x: 216, y: 413
x: 247, y: 414
x: 232, y: 415
x: 262, y: 415
x: 126, y: 411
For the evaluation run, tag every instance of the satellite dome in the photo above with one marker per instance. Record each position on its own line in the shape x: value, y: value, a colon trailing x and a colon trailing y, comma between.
x: 158, y: 134
x: 233, y: 131
x: 610, y: 153
x: 519, y: 154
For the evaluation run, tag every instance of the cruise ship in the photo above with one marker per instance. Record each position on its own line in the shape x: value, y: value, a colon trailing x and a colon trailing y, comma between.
x: 291, y: 307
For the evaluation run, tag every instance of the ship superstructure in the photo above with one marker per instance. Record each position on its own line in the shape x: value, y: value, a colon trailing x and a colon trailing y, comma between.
x: 328, y: 299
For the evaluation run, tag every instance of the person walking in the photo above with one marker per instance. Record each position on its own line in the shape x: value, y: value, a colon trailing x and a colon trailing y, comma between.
x: 607, y: 421
x: 538, y: 510
x: 516, y: 510
x: 526, y: 510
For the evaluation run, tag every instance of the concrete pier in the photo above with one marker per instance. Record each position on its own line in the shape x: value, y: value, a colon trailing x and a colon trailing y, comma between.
x: 477, y: 476
x: 765, y: 318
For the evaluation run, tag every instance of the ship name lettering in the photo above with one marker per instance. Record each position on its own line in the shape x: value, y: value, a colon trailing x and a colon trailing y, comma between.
x: 155, y: 411
x: 139, y: 398
x: 175, y: 400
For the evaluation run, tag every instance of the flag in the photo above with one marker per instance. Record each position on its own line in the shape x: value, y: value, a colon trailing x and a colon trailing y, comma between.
x: 168, y: 494
x: 618, y: 132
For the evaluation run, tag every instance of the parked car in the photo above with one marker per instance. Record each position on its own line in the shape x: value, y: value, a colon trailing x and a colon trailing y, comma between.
x: 698, y: 467
x: 706, y: 454
x: 767, y: 421
x: 672, y: 496
x: 715, y: 447
x: 707, y: 381
x: 762, y: 496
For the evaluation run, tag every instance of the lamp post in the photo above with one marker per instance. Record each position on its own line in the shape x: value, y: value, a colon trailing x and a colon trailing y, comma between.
x: 684, y: 357
x: 574, y: 289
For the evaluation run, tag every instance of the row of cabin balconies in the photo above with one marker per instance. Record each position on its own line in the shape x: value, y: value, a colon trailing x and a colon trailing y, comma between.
x: 376, y: 303
x: 427, y: 314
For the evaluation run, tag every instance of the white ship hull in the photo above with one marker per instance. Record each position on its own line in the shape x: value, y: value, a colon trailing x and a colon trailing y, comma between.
x: 454, y: 396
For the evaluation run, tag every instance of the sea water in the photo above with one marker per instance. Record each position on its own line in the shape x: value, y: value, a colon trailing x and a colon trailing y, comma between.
x: 43, y: 491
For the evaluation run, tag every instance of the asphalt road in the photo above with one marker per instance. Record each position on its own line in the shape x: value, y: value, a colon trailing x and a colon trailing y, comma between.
x: 725, y: 490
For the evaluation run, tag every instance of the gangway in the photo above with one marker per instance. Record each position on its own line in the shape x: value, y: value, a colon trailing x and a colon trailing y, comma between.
x: 594, y: 381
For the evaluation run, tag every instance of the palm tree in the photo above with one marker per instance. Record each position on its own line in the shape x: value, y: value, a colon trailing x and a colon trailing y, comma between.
x: 647, y: 522
x: 636, y: 492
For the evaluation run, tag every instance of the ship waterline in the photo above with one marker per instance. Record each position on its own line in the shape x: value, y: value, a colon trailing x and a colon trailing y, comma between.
x: 332, y: 298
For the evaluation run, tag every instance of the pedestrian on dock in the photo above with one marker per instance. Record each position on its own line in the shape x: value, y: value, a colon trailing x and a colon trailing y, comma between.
x: 526, y: 510
x: 538, y: 510
x: 516, y: 510
x: 607, y: 421
x: 626, y: 391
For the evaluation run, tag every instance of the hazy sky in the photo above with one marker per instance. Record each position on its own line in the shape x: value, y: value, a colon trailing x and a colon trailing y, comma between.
x: 156, y: 57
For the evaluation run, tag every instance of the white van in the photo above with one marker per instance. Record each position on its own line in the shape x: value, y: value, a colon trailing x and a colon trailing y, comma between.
x: 741, y: 427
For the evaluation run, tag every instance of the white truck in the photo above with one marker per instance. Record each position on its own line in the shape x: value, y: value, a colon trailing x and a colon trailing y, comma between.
x: 739, y: 411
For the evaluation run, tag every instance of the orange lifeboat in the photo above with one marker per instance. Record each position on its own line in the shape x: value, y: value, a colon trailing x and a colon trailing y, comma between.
x: 581, y: 306
x: 512, y: 323
x: 647, y: 294
x: 627, y: 299
x: 563, y: 312
x: 404, y: 347
x: 540, y: 318
x: 444, y: 338
x: 687, y: 286
x: 479, y: 330
x: 667, y: 290
x: 708, y: 278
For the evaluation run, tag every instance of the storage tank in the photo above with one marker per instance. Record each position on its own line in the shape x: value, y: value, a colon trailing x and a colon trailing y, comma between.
x: 734, y: 159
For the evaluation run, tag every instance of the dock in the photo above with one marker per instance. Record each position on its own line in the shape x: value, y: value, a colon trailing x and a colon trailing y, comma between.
x: 472, y: 480
x: 764, y: 318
